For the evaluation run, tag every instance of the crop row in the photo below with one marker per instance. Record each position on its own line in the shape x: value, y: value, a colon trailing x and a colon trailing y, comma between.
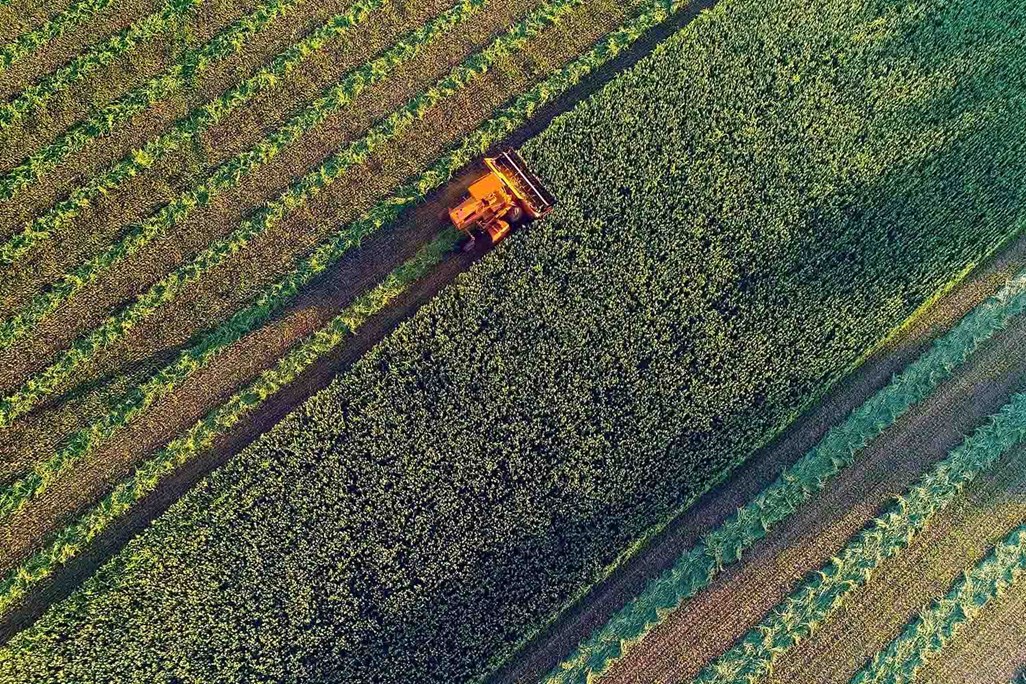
x: 496, y: 454
x: 37, y: 95
x: 797, y: 484
x: 226, y: 43
x: 197, y: 356
x: 53, y: 28
x: 231, y: 173
x: 181, y: 133
x: 70, y: 541
x: 927, y: 634
x: 800, y: 615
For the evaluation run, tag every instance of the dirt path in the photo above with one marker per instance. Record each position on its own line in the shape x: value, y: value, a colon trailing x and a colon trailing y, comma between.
x: 957, y: 539
x: 609, y: 596
x: 347, y: 279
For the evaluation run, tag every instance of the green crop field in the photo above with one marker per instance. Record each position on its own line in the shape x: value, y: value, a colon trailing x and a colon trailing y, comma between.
x: 209, y: 211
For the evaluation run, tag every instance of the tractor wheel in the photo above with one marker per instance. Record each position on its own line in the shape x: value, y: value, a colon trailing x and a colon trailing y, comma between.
x: 515, y: 214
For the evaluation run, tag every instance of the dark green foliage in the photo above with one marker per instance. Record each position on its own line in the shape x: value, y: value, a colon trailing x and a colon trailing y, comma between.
x: 742, y: 216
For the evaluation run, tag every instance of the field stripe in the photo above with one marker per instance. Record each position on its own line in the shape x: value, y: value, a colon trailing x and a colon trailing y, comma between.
x: 71, y: 540
x: 37, y: 95
x: 180, y: 134
x: 53, y: 28
x: 189, y: 361
x: 233, y: 171
x: 927, y: 634
x: 799, y: 615
x: 227, y: 42
x: 695, y: 569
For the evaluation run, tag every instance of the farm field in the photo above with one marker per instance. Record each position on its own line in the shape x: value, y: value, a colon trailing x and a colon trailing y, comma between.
x: 200, y: 214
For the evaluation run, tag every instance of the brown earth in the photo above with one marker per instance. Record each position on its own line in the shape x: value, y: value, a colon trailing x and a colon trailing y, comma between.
x: 958, y: 538
x: 992, y: 650
x: 372, y: 261
x: 88, y: 481
x: 629, y: 578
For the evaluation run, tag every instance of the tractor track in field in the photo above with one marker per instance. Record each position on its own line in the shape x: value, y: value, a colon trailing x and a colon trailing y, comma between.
x: 605, y: 598
x: 350, y: 277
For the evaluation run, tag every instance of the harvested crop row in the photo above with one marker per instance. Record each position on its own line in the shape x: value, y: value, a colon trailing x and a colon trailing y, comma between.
x: 838, y: 449
x: 268, y: 215
x: 72, y: 539
x: 232, y: 172
x: 244, y: 321
x: 184, y: 131
x: 228, y: 42
x: 802, y: 613
x: 493, y: 130
x: 489, y: 545
x: 994, y: 650
x: 926, y: 636
x: 56, y: 26
x: 37, y: 96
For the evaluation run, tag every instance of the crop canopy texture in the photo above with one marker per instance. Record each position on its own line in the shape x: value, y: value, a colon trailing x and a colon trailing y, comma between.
x: 741, y: 217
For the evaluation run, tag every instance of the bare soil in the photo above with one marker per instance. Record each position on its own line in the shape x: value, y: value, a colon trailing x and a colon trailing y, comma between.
x: 958, y: 538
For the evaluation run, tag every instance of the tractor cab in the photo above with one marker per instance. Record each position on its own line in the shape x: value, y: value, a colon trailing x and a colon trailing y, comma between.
x: 508, y: 195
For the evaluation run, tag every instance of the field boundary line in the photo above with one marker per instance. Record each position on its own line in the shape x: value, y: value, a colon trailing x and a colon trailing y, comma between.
x: 56, y: 26
x: 231, y: 172
x: 696, y: 568
x: 182, y: 132
x: 37, y: 95
x: 83, y: 442
x: 799, y: 615
x: 226, y: 43
x: 68, y: 542
x: 925, y: 636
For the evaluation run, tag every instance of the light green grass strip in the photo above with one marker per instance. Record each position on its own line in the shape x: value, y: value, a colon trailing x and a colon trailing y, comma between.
x: 37, y: 95
x: 53, y: 28
x: 800, y: 614
x: 233, y: 171
x: 935, y: 626
x: 71, y: 540
x: 180, y: 134
x: 109, y: 118
x: 695, y: 569
x: 191, y: 360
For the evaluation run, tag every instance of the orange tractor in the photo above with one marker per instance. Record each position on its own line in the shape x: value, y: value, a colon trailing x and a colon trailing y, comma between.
x: 506, y: 196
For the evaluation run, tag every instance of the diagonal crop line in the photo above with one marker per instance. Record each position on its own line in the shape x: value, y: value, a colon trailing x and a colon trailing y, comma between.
x: 799, y: 615
x: 936, y: 625
x: 53, y: 28
x: 227, y: 42
x: 232, y: 172
x: 181, y: 133
x: 71, y: 540
x: 695, y: 569
x: 38, y: 94
x: 164, y: 381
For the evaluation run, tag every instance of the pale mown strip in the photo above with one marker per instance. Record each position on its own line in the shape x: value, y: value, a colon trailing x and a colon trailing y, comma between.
x: 53, y: 28
x: 926, y: 635
x: 181, y: 133
x: 109, y: 118
x: 696, y: 568
x: 229, y: 175
x: 70, y: 541
x: 36, y: 96
x: 296, y: 196
x: 800, y: 614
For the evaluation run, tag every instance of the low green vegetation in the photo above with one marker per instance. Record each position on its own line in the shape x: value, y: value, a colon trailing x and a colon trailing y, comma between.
x: 37, y: 95
x: 55, y: 27
x: 927, y: 634
x: 799, y: 615
x: 724, y: 545
x: 741, y: 217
